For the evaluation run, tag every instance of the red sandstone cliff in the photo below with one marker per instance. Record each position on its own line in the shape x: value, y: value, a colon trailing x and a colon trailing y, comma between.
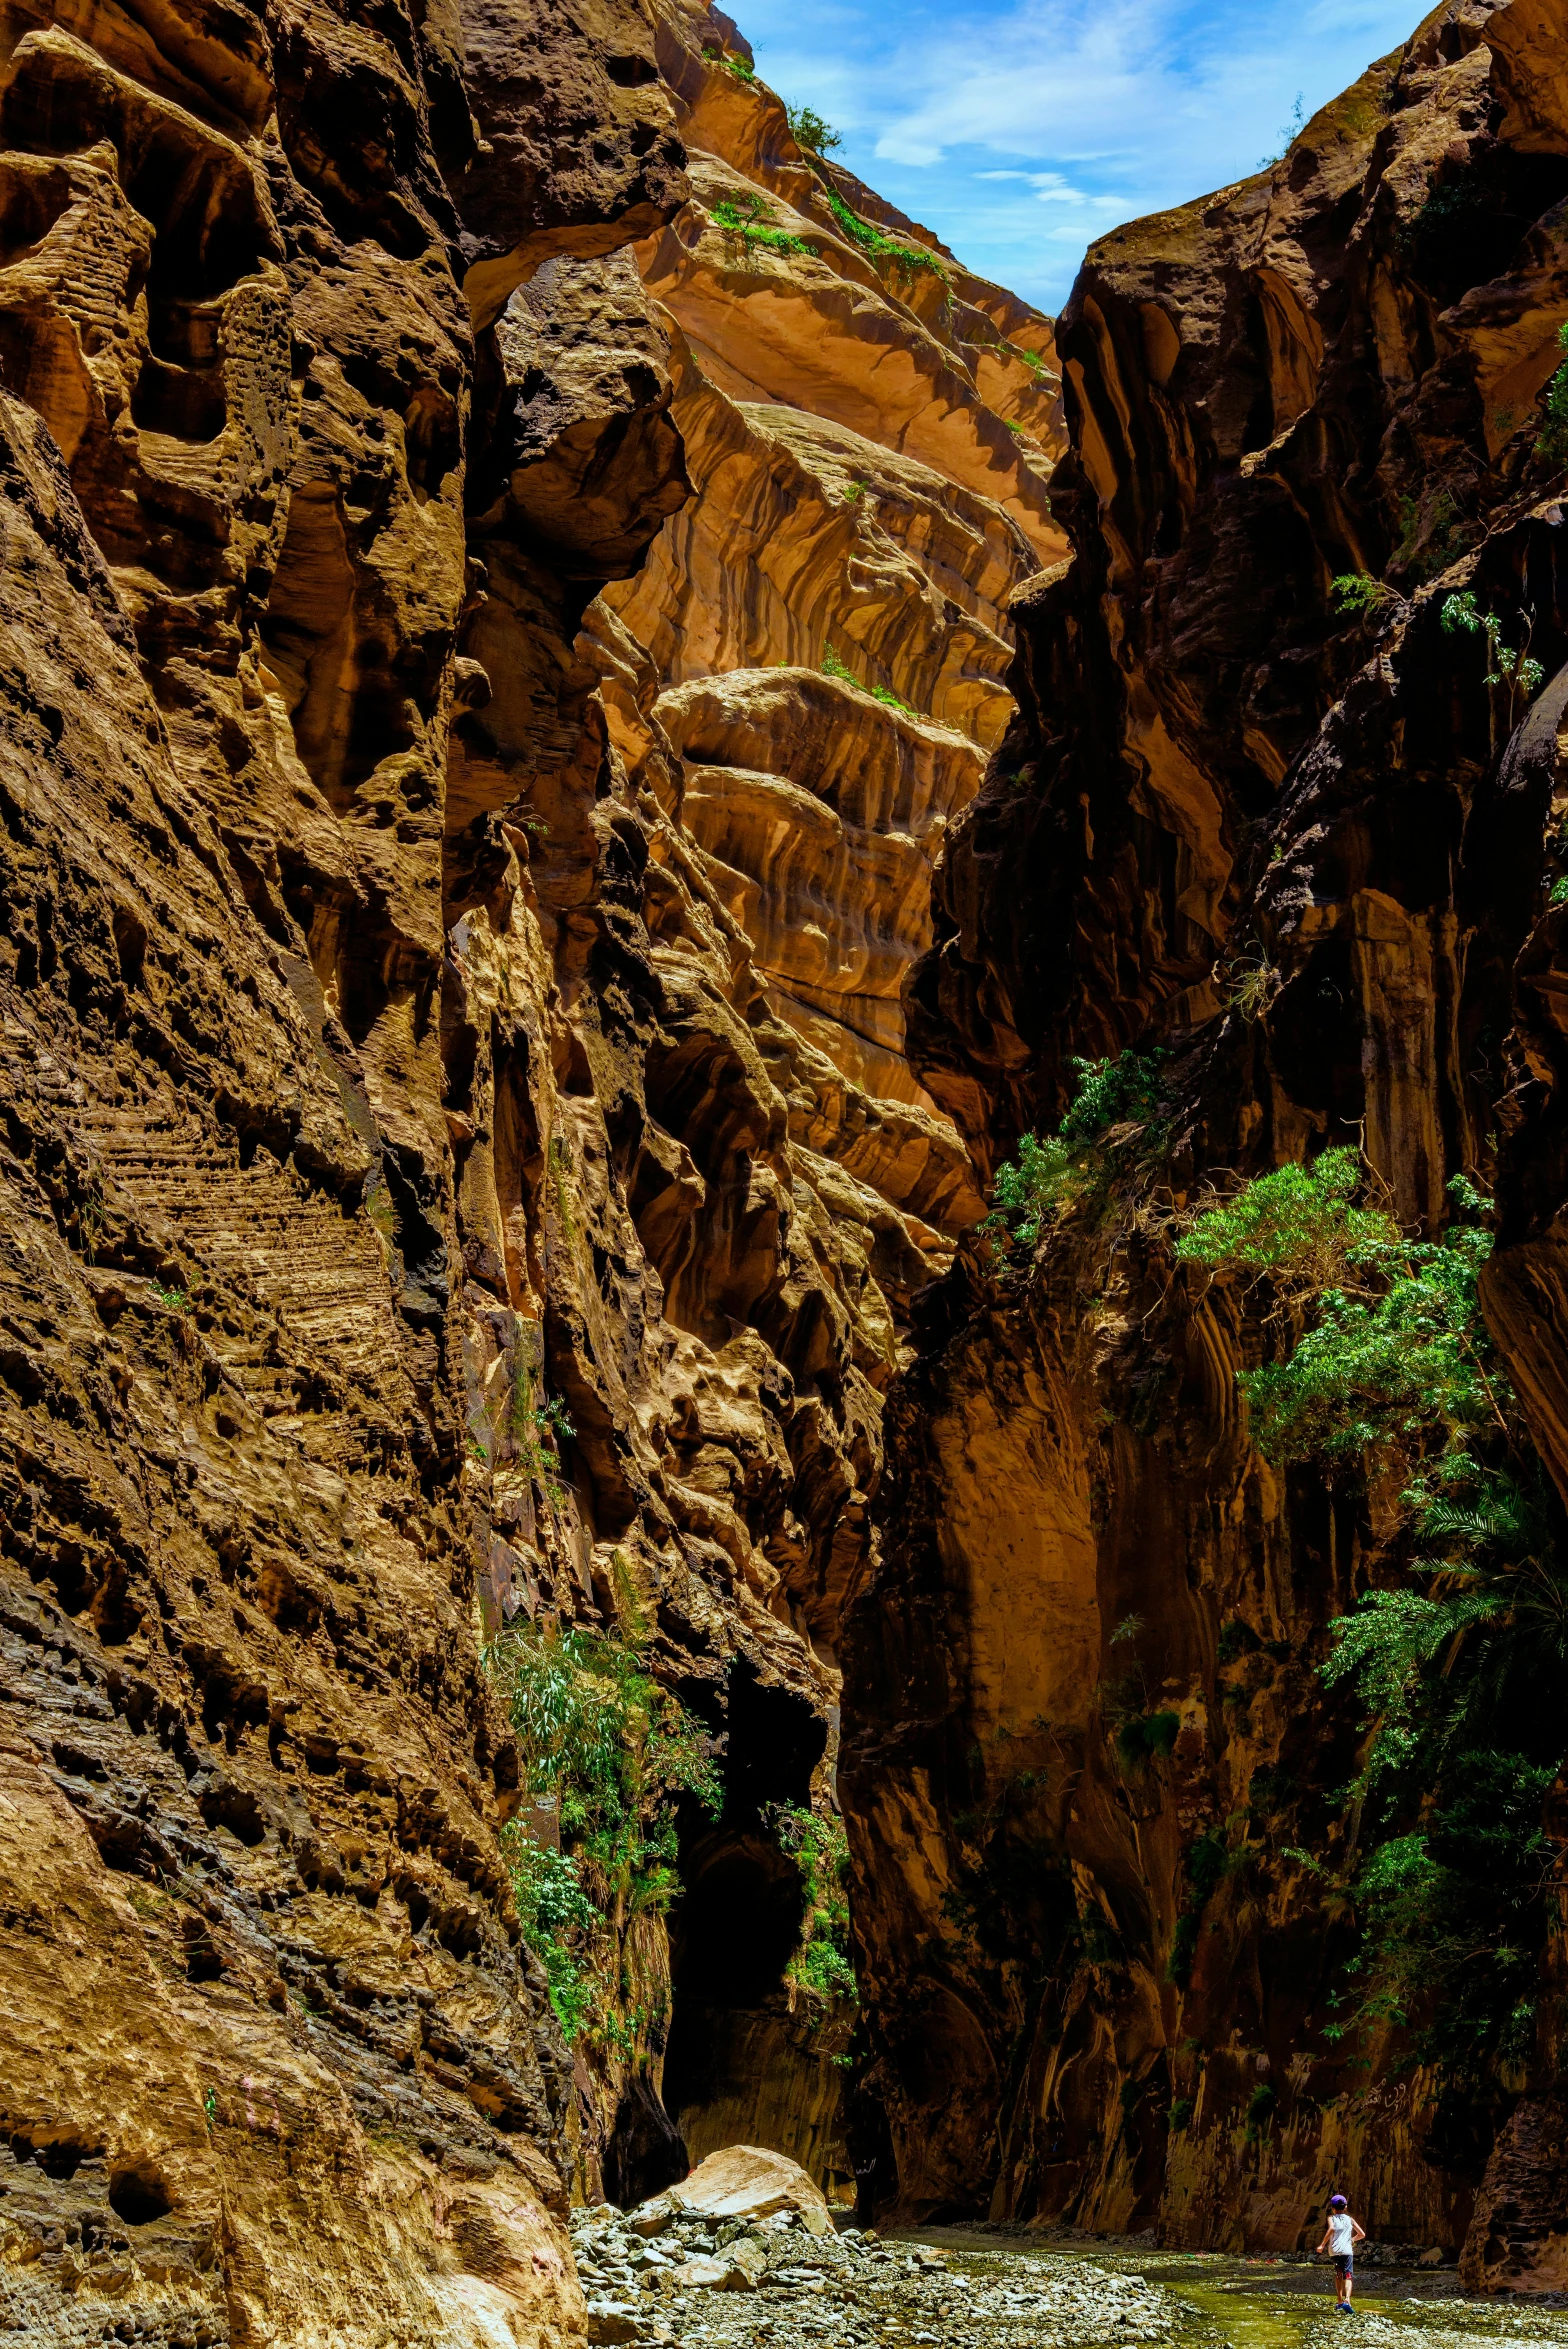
x: 465, y: 944
x: 431, y: 987
x: 1311, y: 856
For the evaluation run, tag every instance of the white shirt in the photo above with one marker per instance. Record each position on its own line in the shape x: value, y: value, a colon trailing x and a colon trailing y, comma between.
x: 1340, y: 2238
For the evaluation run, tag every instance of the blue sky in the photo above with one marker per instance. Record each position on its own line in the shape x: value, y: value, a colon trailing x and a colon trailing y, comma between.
x: 1021, y: 129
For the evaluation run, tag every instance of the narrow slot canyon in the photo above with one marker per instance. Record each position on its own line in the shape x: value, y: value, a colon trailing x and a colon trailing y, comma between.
x: 783, y: 1443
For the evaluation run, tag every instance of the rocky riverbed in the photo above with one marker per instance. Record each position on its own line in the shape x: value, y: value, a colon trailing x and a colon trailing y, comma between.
x: 771, y: 2281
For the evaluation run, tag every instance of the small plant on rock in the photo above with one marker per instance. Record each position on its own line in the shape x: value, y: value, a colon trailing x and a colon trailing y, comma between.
x: 832, y: 666
x: 1289, y: 133
x: 1511, y: 675
x: 816, y: 1842
x: 1143, y: 1737
x: 810, y: 132
x: 1431, y: 533
x: 1250, y: 984
x: 540, y: 1428
x: 1552, y: 441
x: 884, y: 251
x: 1050, y: 1173
x: 1356, y: 593
x: 754, y: 227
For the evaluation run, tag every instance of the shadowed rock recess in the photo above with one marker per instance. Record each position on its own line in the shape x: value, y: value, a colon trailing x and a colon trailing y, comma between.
x: 454, y: 912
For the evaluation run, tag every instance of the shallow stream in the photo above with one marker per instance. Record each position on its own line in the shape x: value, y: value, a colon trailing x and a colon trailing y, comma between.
x: 1221, y: 2302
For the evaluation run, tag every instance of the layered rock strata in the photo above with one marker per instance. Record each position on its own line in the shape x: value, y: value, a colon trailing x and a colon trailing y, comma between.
x: 1284, y: 843
x: 801, y: 681
x: 428, y: 994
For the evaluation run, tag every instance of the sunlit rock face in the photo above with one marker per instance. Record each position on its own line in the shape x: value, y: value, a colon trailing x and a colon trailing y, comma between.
x: 452, y: 947
x: 802, y: 680
x: 1283, y: 844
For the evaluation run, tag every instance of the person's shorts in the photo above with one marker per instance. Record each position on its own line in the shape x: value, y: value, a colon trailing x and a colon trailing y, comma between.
x: 1344, y: 2263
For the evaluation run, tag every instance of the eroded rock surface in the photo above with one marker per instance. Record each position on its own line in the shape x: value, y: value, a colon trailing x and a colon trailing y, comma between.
x: 428, y: 992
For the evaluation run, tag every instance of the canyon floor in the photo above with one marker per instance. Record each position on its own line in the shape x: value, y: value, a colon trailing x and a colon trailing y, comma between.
x: 1001, y: 2288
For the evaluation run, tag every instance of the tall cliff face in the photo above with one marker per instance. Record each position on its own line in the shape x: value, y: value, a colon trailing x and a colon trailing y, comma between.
x: 278, y: 2067
x: 1309, y: 853
x: 451, y: 961
x: 697, y: 1187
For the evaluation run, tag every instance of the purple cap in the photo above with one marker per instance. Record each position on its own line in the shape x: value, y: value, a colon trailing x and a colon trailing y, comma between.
x: 1336, y: 2202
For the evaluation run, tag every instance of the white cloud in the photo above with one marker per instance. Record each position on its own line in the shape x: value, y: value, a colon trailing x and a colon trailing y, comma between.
x: 1017, y: 128
x: 1127, y: 83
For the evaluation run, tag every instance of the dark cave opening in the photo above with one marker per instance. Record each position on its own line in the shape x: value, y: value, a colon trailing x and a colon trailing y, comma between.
x: 750, y: 2059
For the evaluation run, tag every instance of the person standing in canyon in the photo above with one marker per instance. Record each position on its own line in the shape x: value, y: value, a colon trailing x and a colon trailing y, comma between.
x: 1340, y: 2236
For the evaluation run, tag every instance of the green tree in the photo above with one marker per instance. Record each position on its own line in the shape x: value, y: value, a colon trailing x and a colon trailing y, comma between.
x: 1460, y: 1666
x: 618, y: 1755
x: 810, y: 132
x: 1050, y: 1172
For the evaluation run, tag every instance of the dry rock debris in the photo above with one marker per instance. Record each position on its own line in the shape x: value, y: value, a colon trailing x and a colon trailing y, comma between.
x: 770, y: 2280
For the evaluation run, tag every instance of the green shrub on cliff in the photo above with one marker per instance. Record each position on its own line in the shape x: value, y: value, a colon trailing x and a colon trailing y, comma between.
x: 832, y: 666
x: 1400, y: 1349
x: 1206, y: 1864
x: 810, y: 132
x: 1454, y: 1919
x: 1552, y: 442
x: 819, y: 1847
x: 558, y: 1921
x: 1145, y: 1735
x: 1355, y: 593
x: 1299, y: 1220
x: 1049, y: 1173
x: 754, y: 226
x: 1510, y: 669
x: 618, y: 1755
x: 884, y: 251
x: 1460, y: 1667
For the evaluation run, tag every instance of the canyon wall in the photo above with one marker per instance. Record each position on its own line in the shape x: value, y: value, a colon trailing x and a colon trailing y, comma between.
x: 590, y: 732
x: 454, y: 921
x: 1311, y: 853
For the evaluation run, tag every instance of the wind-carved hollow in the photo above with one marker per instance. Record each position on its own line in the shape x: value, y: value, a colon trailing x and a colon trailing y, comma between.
x: 359, y: 183
x: 433, y: 436
x: 183, y: 403
x: 34, y: 194
x: 432, y: 425
x: 195, y: 186
x: 349, y: 708
x: 139, y: 2198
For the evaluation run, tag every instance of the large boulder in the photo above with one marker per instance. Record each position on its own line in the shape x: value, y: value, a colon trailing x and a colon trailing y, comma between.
x: 743, y: 2182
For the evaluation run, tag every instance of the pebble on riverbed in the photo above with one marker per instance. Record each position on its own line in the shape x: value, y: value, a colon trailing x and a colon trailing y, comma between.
x: 770, y: 2281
